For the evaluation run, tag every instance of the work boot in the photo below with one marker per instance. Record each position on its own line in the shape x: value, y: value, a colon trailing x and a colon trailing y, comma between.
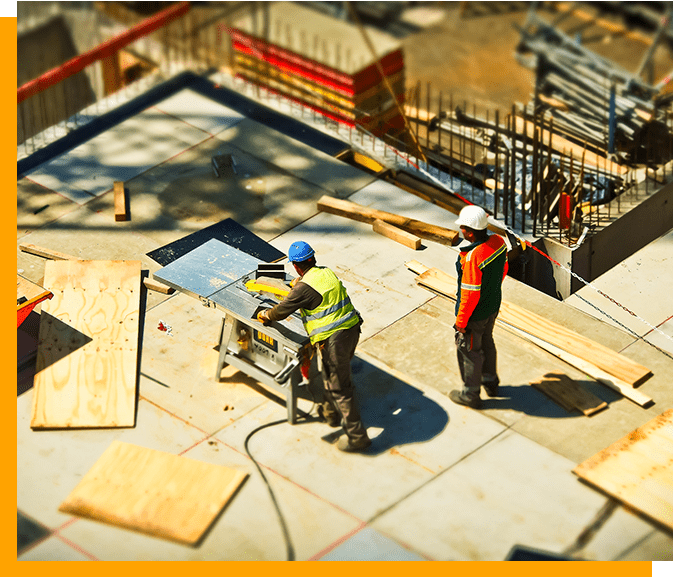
x: 461, y: 398
x: 348, y: 446
x: 329, y: 415
x: 491, y: 388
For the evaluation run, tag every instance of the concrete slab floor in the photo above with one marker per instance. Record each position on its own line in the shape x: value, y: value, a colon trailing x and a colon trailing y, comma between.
x: 439, y: 482
x: 636, y: 283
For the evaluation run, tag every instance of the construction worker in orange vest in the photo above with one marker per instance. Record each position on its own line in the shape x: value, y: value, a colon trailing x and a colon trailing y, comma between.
x: 482, y: 267
x: 333, y: 326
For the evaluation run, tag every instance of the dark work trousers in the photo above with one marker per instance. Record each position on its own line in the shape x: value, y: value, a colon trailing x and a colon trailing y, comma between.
x: 337, y: 352
x: 477, y: 355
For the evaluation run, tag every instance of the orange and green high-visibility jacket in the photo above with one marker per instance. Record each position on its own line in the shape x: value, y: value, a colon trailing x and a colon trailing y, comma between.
x: 481, y: 267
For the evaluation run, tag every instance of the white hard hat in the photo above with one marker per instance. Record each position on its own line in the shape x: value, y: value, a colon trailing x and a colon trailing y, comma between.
x: 473, y: 216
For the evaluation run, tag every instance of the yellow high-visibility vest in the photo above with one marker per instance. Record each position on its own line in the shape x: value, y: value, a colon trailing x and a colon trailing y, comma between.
x: 335, y: 313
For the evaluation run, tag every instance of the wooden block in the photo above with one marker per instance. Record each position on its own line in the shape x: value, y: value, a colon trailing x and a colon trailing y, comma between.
x: 605, y: 359
x: 397, y: 234
x: 369, y: 215
x: 120, y: 201
x: 87, y: 353
x: 29, y: 290
x: 155, y: 285
x: 638, y: 469
x: 153, y: 492
x: 45, y: 252
x: 569, y: 394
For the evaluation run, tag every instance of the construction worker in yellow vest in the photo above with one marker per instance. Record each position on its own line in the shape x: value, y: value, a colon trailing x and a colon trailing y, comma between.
x: 333, y: 326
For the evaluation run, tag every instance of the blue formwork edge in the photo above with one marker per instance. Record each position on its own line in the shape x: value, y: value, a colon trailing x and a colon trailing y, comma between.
x: 241, y: 104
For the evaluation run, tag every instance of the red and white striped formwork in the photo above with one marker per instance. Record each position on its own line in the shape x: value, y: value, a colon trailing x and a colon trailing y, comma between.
x: 322, y: 62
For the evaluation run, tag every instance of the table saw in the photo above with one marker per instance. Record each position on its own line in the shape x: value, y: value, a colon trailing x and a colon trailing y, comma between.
x: 216, y: 274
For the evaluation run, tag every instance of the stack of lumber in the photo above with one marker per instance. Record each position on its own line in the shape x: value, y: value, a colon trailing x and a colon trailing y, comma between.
x: 323, y: 63
x: 594, y: 359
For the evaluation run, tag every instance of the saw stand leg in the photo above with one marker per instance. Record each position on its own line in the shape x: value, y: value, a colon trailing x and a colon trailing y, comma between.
x: 290, y: 387
x: 225, y: 334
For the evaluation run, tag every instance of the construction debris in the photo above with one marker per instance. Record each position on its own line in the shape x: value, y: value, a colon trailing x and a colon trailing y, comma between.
x: 569, y: 394
x: 602, y: 104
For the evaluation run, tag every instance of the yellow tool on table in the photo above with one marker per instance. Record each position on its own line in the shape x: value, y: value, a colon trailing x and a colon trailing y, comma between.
x: 269, y: 285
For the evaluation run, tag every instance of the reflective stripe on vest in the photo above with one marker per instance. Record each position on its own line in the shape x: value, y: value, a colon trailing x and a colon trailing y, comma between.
x: 336, y: 312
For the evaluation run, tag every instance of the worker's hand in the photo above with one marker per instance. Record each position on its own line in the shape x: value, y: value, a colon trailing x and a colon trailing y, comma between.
x: 294, y: 281
x: 460, y: 329
x: 263, y: 318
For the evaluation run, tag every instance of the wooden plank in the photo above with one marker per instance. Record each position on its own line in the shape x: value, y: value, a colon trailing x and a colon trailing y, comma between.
x: 155, y: 285
x: 369, y: 215
x: 569, y: 394
x: 45, y: 252
x: 565, y: 339
x: 153, y: 492
x: 397, y: 234
x: 120, y: 201
x: 638, y: 469
x: 88, y: 345
x: 617, y: 385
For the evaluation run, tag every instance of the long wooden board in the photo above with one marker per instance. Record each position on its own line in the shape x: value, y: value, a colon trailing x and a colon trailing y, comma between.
x: 578, y: 345
x: 638, y: 469
x: 153, y: 492
x: 569, y: 394
x: 361, y: 213
x: 87, y: 351
x: 45, y: 252
x: 624, y: 389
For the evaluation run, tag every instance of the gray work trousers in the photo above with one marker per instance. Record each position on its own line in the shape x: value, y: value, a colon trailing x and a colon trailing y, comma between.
x: 336, y: 353
x: 477, y: 355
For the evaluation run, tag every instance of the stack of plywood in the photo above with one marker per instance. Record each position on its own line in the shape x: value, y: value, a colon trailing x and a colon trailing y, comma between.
x: 323, y: 63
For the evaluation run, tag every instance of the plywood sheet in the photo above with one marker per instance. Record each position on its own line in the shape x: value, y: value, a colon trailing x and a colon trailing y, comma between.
x: 88, y: 345
x: 153, y: 492
x: 638, y: 469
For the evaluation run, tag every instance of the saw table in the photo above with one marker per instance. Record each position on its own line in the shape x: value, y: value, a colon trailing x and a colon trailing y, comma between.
x: 216, y: 273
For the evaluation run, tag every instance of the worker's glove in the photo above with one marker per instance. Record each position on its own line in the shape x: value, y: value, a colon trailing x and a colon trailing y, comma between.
x: 293, y: 282
x: 263, y: 318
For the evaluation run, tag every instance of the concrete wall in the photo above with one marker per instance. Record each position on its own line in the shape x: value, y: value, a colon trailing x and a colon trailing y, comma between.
x: 634, y: 229
x: 38, y: 51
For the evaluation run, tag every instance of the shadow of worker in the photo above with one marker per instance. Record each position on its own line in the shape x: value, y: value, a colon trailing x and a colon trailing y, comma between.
x: 402, y: 412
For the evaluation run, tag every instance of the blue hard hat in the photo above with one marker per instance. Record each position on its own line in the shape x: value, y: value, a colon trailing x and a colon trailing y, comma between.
x: 299, y: 251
